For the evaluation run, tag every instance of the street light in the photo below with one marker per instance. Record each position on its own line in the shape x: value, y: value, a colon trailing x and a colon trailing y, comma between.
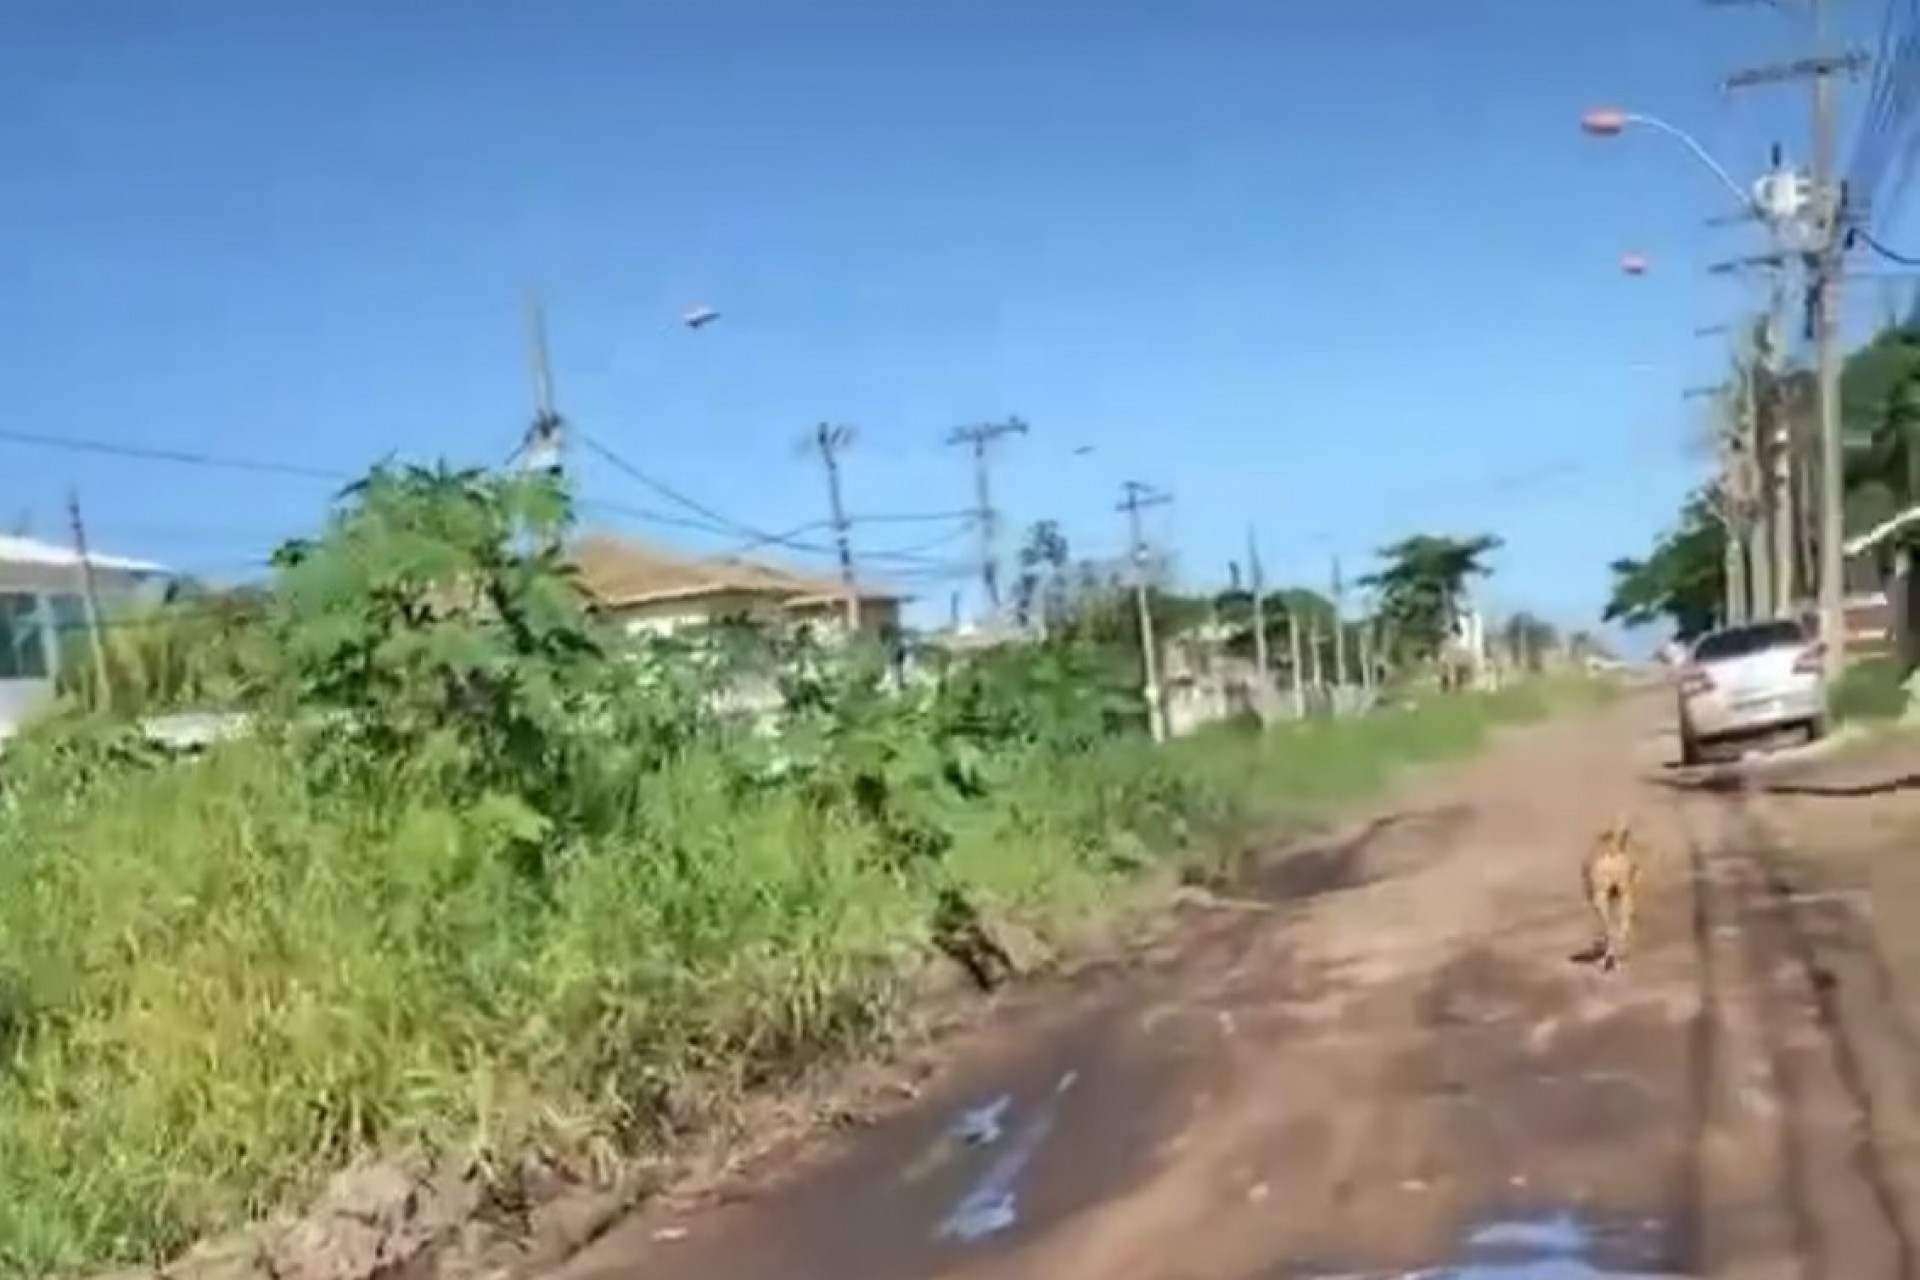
x: 1610, y: 122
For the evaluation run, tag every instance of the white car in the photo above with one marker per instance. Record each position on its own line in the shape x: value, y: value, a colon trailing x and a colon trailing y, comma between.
x: 1753, y: 680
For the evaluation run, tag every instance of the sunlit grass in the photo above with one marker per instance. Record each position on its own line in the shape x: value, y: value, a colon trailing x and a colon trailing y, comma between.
x: 220, y: 984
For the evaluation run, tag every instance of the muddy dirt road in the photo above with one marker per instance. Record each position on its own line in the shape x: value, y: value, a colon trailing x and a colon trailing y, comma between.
x: 1384, y: 1063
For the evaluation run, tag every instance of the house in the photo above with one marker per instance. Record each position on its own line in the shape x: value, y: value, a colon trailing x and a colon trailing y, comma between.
x: 42, y: 614
x: 647, y: 589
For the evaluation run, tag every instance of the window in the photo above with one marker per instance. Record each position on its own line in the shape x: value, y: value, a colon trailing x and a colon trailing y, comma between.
x: 23, y: 640
x: 1739, y: 642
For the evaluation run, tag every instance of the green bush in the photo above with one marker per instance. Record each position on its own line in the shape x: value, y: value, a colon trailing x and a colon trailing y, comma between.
x: 1870, y: 689
x: 476, y: 880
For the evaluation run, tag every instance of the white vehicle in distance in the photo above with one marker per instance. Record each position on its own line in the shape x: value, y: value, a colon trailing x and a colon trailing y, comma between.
x: 1755, y: 680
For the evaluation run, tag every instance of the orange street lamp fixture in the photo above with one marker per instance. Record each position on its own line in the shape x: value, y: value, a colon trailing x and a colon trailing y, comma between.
x: 1608, y: 122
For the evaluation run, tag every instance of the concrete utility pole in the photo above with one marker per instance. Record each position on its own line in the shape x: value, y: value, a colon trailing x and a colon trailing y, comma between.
x: 1138, y: 497
x: 90, y: 601
x: 830, y: 439
x: 977, y: 438
x: 1733, y: 493
x: 1825, y: 251
x: 1298, y: 661
x: 1262, y: 661
x: 1772, y: 547
x: 1339, y: 630
x: 544, y: 445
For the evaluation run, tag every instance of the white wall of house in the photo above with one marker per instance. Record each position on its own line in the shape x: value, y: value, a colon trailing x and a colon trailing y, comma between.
x: 827, y: 619
x: 42, y: 618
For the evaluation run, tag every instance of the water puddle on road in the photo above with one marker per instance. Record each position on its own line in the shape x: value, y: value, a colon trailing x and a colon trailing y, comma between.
x: 1556, y: 1246
x: 992, y: 1202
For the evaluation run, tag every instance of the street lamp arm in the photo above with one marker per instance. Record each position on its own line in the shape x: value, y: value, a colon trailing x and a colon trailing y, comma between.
x: 1692, y: 144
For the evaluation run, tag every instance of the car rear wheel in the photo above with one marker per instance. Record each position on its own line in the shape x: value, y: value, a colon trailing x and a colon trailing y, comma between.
x: 1816, y: 729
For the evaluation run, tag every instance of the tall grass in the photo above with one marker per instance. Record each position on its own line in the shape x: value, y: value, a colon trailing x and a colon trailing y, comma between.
x: 221, y: 982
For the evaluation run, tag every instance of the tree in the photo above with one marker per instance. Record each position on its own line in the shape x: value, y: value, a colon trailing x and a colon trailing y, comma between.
x: 1880, y: 417
x: 1682, y: 580
x: 1421, y: 584
x: 437, y: 613
x: 1043, y: 591
x: 1529, y: 639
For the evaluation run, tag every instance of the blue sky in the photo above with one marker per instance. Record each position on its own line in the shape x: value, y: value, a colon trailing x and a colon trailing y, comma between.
x: 1342, y: 271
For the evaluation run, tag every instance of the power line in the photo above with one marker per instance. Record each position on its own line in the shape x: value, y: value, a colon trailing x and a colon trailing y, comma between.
x: 1865, y: 237
x: 109, y: 448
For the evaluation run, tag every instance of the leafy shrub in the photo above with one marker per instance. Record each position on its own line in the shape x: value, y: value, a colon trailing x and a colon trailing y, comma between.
x: 480, y: 877
x: 1870, y: 689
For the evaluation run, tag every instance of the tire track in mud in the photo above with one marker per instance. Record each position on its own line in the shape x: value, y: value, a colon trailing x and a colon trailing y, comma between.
x: 1824, y: 1053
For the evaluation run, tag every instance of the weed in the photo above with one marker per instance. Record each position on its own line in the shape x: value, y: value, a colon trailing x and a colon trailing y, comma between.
x: 475, y: 880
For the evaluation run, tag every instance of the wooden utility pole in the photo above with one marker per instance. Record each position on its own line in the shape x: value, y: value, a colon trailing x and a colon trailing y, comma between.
x: 90, y: 601
x: 1262, y: 662
x: 977, y: 438
x: 830, y: 439
x: 1138, y: 497
x: 1825, y: 251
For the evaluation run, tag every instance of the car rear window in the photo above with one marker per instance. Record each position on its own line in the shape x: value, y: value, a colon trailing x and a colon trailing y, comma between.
x: 1738, y: 642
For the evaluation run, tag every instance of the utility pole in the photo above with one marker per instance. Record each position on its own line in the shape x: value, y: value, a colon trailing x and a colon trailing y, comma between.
x: 1733, y: 495
x: 977, y: 437
x: 1339, y: 631
x: 1138, y: 498
x: 90, y: 601
x: 1763, y: 522
x: 1262, y: 660
x: 543, y: 448
x: 1298, y: 662
x: 544, y: 445
x: 1771, y: 533
x: 830, y: 439
x: 1825, y: 252
x: 1366, y: 655
x: 1314, y: 657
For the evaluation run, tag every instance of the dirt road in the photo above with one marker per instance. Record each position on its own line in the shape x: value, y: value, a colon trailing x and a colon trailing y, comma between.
x: 1385, y: 1064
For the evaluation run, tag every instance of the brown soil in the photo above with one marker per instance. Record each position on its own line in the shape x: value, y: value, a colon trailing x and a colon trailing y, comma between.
x: 1382, y: 1060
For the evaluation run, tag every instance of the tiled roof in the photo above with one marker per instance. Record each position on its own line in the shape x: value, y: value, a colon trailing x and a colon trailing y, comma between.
x: 620, y: 571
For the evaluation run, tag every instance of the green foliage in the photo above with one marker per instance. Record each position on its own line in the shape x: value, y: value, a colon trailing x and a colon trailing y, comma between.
x: 194, y: 647
x: 1682, y: 581
x: 1421, y: 584
x: 484, y: 875
x: 1870, y: 689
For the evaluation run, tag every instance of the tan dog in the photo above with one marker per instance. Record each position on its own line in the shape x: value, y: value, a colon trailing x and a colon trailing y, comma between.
x: 1611, y: 878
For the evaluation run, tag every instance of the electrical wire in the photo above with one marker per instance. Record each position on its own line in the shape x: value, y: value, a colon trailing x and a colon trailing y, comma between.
x: 1882, y: 166
x: 1866, y: 237
x: 108, y: 448
x: 1873, y: 134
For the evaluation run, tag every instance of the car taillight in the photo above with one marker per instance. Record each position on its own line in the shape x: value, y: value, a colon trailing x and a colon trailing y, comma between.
x: 1695, y: 681
x: 1811, y: 660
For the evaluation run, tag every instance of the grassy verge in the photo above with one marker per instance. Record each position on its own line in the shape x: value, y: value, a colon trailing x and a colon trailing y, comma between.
x: 1869, y: 691
x: 221, y: 982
